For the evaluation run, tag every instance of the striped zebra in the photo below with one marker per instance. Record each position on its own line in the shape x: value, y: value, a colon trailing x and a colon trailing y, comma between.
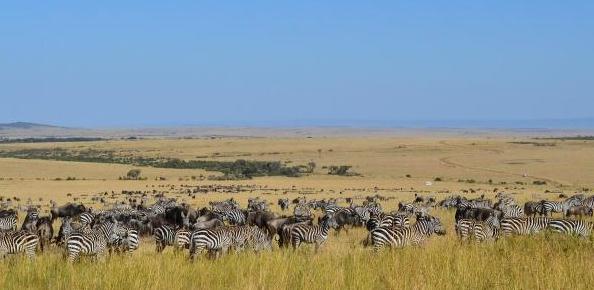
x: 30, y: 222
x: 128, y: 240
x: 400, y: 237
x: 181, y: 239
x: 546, y: 207
x: 578, y: 228
x: 259, y: 240
x: 8, y: 222
x: 388, y: 221
x: 285, y: 237
x: 215, y: 241
x: 312, y: 234
x: 235, y: 217
x: 92, y: 243
x: 512, y: 211
x: 523, y: 226
x: 18, y: 241
x: 480, y: 231
x: 86, y: 218
x: 166, y: 235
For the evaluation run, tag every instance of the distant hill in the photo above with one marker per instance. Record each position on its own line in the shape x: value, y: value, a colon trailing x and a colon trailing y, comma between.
x: 26, y: 125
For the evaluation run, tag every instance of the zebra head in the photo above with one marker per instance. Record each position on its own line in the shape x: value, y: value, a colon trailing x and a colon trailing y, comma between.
x: 329, y: 221
x: 434, y: 225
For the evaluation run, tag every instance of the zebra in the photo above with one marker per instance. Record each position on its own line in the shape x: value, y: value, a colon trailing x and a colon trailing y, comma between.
x: 128, y: 240
x: 86, y: 218
x: 164, y: 236
x: 213, y: 240
x: 235, y: 217
x: 578, y: 228
x: 523, y: 226
x: 285, y: 236
x: 545, y: 207
x: 8, y: 222
x: 589, y: 202
x: 18, y: 241
x: 400, y: 237
x: 479, y: 230
x: 512, y: 211
x: 388, y: 221
x: 312, y: 234
x: 181, y: 239
x: 30, y: 222
x: 259, y: 239
x: 93, y: 242
x: 65, y: 230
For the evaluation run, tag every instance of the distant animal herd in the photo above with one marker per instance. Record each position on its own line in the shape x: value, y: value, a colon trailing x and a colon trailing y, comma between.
x: 224, y: 226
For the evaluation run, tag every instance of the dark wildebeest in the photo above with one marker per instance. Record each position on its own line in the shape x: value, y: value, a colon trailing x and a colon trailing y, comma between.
x: 530, y: 208
x: 30, y: 222
x: 209, y: 224
x: 275, y: 227
x: 67, y: 210
x: 283, y: 203
x: 259, y: 218
x: 578, y: 210
x: 479, y: 214
x: 45, y: 231
x: 344, y: 220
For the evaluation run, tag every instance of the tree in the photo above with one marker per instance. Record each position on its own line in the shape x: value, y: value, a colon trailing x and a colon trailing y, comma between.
x: 133, y: 174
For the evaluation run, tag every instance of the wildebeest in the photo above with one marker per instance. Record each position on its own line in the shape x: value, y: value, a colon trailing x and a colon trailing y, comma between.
x: 67, y: 210
x: 259, y: 218
x: 45, y: 231
x: 530, y: 208
x: 283, y: 203
x: 578, y: 210
x: 479, y: 214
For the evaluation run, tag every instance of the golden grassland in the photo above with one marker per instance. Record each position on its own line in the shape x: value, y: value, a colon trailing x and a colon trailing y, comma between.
x: 545, y: 261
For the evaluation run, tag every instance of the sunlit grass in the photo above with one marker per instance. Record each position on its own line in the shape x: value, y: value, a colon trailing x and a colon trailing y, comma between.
x: 542, y: 262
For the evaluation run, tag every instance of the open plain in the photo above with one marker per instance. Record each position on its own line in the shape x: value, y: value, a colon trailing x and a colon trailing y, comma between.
x: 394, y: 167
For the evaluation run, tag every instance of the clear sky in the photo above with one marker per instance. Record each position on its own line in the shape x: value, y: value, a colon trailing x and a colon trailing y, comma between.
x: 144, y: 63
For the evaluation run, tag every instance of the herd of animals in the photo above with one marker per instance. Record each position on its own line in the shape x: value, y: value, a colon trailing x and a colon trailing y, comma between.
x: 224, y: 225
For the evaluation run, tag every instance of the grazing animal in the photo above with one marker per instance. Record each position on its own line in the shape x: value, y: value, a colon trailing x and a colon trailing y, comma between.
x: 213, y: 240
x: 93, y: 242
x: 400, y: 237
x: 283, y: 203
x: 30, y: 222
x: 45, y: 231
x: 578, y: 228
x: 546, y: 208
x: 312, y: 234
x: 18, y: 241
x: 578, y: 210
x: 67, y: 210
x: 530, y: 208
x: 8, y: 221
x: 479, y: 230
x: 523, y: 226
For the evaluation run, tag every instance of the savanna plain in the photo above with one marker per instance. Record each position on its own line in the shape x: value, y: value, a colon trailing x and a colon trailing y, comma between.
x: 395, y: 167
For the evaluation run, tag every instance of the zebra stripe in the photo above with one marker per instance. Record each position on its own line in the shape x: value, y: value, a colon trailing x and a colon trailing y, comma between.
x: 401, y: 237
x: 93, y: 243
x: 16, y: 242
x: 212, y: 240
x: 523, y: 226
x: 311, y: 234
x: 8, y: 223
x: 578, y: 228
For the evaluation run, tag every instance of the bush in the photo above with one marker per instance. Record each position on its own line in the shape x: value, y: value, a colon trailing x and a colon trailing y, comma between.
x: 133, y: 174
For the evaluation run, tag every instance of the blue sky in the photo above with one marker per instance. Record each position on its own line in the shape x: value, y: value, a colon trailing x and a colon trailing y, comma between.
x: 146, y: 63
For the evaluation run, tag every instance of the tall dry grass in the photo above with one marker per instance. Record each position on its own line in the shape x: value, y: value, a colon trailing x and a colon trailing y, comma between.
x: 547, y: 261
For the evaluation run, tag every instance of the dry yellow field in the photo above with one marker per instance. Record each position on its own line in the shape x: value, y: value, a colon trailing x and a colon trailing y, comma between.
x: 492, y: 162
